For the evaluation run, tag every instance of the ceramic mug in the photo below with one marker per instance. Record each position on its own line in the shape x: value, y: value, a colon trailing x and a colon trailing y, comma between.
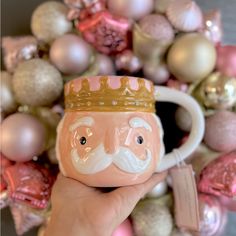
x: 110, y: 135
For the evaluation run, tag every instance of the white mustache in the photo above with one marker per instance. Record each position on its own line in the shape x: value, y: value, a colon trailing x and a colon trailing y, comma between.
x: 98, y: 160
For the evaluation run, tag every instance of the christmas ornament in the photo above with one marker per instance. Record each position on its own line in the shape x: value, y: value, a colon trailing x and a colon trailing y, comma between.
x: 70, y: 54
x: 220, y: 133
x: 128, y: 62
x: 184, y: 15
x: 25, y: 218
x: 158, y: 191
x: 29, y: 183
x: 37, y: 83
x: 183, y: 119
x: 135, y: 9
x: 228, y: 203
x: 158, y: 73
x: 8, y: 103
x: 124, y: 229
x: 216, y: 92
x: 22, y: 137
x: 191, y: 58
x: 161, y: 6
x: 18, y: 49
x: 106, y: 32
x: 213, y: 217
x: 151, y: 219
x: 157, y: 27
x: 49, y: 21
x: 226, y: 60
x: 219, y: 177
x: 178, y: 85
x: 212, y: 26
x: 82, y: 9
x: 105, y: 65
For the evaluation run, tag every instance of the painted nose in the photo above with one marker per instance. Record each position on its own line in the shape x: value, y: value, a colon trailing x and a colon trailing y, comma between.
x: 111, y: 143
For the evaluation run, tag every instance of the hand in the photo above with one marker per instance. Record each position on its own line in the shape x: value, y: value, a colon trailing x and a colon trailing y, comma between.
x: 81, y: 210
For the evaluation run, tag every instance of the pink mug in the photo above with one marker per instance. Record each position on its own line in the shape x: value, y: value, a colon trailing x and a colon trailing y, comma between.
x: 110, y: 135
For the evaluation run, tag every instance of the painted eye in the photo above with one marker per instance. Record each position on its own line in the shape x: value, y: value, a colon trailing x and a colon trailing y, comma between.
x: 139, y: 140
x: 83, y: 140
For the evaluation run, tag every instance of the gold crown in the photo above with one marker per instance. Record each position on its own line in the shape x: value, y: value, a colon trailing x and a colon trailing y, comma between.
x: 133, y: 94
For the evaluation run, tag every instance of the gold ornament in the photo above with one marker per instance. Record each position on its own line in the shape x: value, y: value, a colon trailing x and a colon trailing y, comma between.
x: 37, y: 83
x: 49, y: 21
x: 216, y: 92
x: 79, y: 96
x: 191, y: 58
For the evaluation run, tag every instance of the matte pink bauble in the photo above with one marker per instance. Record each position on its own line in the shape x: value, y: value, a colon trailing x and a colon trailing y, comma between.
x: 226, y: 60
x: 135, y: 9
x: 213, y: 216
x: 220, y: 133
x: 124, y: 229
x: 22, y: 137
x: 70, y: 54
x: 105, y: 65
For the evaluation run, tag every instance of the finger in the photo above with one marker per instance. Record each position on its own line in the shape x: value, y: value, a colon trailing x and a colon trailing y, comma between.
x: 127, y: 197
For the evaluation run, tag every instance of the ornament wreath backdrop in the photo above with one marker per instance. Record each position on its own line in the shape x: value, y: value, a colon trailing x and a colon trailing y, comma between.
x: 171, y: 42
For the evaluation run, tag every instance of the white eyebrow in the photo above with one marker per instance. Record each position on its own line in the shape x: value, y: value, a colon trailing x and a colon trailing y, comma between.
x: 84, y: 121
x: 137, y: 122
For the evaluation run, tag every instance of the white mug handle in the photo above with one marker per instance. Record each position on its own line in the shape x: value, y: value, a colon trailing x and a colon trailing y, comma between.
x: 164, y: 94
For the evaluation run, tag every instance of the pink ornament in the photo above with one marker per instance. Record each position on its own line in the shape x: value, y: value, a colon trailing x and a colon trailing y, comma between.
x: 82, y: 9
x: 105, y: 65
x: 213, y: 216
x: 29, y: 183
x: 106, y: 32
x: 128, y: 62
x: 184, y: 15
x: 25, y: 218
x: 228, y: 203
x: 226, y: 60
x: 124, y: 229
x: 18, y: 49
x: 219, y: 177
x: 178, y: 85
x: 212, y: 26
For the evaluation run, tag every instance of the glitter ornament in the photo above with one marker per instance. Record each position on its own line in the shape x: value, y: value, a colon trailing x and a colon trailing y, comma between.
x: 183, y: 119
x: 184, y: 15
x: 216, y: 92
x: 70, y: 54
x: 191, y: 58
x: 157, y: 27
x: 128, y: 62
x: 135, y: 9
x: 220, y: 132
x: 8, y: 103
x: 18, y: 49
x: 151, y: 218
x: 49, y: 21
x: 37, y: 83
x: 22, y: 137
x: 213, y: 216
x: 212, y: 26
x: 158, y: 73
x: 219, y: 177
x: 226, y: 60
x: 106, y: 32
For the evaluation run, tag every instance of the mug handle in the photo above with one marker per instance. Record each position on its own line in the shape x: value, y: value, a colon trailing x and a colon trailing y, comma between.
x: 164, y: 94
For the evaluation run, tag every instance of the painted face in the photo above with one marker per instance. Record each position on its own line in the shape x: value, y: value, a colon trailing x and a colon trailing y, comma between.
x: 101, y: 145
